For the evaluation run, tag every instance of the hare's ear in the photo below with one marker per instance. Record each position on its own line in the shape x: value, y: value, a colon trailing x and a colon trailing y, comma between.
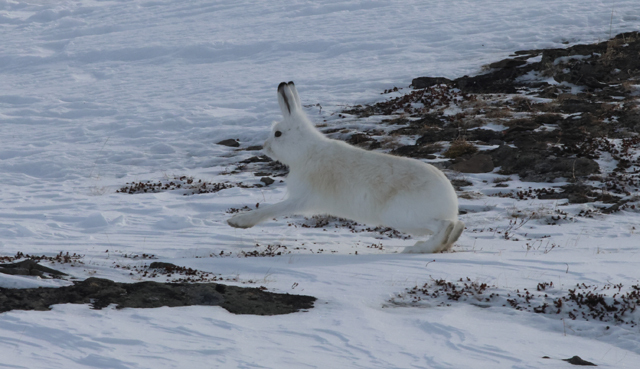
x: 294, y: 92
x: 288, y: 99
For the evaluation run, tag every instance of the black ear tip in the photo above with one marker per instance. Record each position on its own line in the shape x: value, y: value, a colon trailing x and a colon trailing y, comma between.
x: 281, y: 86
x: 291, y: 83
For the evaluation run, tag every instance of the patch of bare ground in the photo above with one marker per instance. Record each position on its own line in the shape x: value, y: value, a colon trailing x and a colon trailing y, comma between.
x: 608, y: 304
x: 186, y: 185
x: 100, y: 293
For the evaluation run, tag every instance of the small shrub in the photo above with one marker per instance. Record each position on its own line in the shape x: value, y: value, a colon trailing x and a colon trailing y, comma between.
x: 498, y: 113
x: 459, y: 148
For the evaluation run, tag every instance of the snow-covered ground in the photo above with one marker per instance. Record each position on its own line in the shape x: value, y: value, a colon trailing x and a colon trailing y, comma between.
x: 95, y: 94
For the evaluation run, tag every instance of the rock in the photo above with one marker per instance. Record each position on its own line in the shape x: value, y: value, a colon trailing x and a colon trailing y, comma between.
x: 101, y: 293
x: 257, y: 159
x: 459, y: 183
x: 424, y: 82
x: 502, y: 80
x: 267, y: 180
x: 578, y: 167
x: 435, y: 134
x: 507, y: 63
x: 528, y: 142
x: 358, y: 139
x: 528, y: 53
x: 364, y: 141
x: 375, y: 145
x: 484, y: 135
x: 480, y: 163
x: 416, y: 151
x: 615, y: 207
x: 576, y: 360
x: 538, y: 166
x: 229, y: 142
x: 397, y: 121
x: 29, y: 267
x: 161, y: 265
x: 581, y: 193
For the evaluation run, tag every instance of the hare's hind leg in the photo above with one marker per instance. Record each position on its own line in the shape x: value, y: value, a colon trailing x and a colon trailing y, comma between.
x: 445, y: 229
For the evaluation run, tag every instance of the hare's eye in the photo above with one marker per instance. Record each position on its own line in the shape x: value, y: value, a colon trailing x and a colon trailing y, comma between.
x: 278, y: 134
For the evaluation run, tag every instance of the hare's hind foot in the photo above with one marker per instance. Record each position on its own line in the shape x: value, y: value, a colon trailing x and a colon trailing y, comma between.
x: 455, y: 233
x: 448, y: 232
x: 245, y: 220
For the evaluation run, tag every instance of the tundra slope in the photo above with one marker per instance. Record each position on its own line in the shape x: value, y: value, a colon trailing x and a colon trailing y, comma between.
x: 100, y: 93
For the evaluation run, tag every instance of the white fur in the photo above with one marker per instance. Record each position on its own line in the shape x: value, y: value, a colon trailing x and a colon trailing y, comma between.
x: 331, y: 177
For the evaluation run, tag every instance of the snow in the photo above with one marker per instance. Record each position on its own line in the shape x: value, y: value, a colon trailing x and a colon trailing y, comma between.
x: 96, y: 94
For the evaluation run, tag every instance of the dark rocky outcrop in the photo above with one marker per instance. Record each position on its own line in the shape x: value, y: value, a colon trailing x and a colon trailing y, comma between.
x: 229, y: 142
x: 29, y: 267
x: 102, y: 292
x: 537, y: 165
x: 595, y: 66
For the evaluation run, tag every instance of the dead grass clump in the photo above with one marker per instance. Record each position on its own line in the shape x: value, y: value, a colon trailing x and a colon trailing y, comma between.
x: 550, y: 107
x: 498, y: 113
x: 60, y: 258
x: 501, y: 179
x: 629, y: 86
x: 470, y: 195
x: 522, y: 104
x: 459, y: 148
x: 566, y: 96
x: 607, y: 304
x: 480, y: 102
x: 516, y: 122
x: 550, y: 69
x: 471, y: 122
x: 433, y: 148
x: 612, y: 51
x: 389, y: 142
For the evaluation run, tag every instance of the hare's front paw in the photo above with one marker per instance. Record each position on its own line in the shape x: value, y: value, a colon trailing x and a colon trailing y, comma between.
x: 241, y: 221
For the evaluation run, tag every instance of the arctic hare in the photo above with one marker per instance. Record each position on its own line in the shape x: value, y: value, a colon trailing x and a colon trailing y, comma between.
x: 331, y: 177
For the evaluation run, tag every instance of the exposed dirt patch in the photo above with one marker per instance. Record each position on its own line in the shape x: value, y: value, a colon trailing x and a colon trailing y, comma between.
x: 186, y: 185
x: 59, y: 258
x: 609, y: 303
x: 101, y: 293
x: 326, y: 223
